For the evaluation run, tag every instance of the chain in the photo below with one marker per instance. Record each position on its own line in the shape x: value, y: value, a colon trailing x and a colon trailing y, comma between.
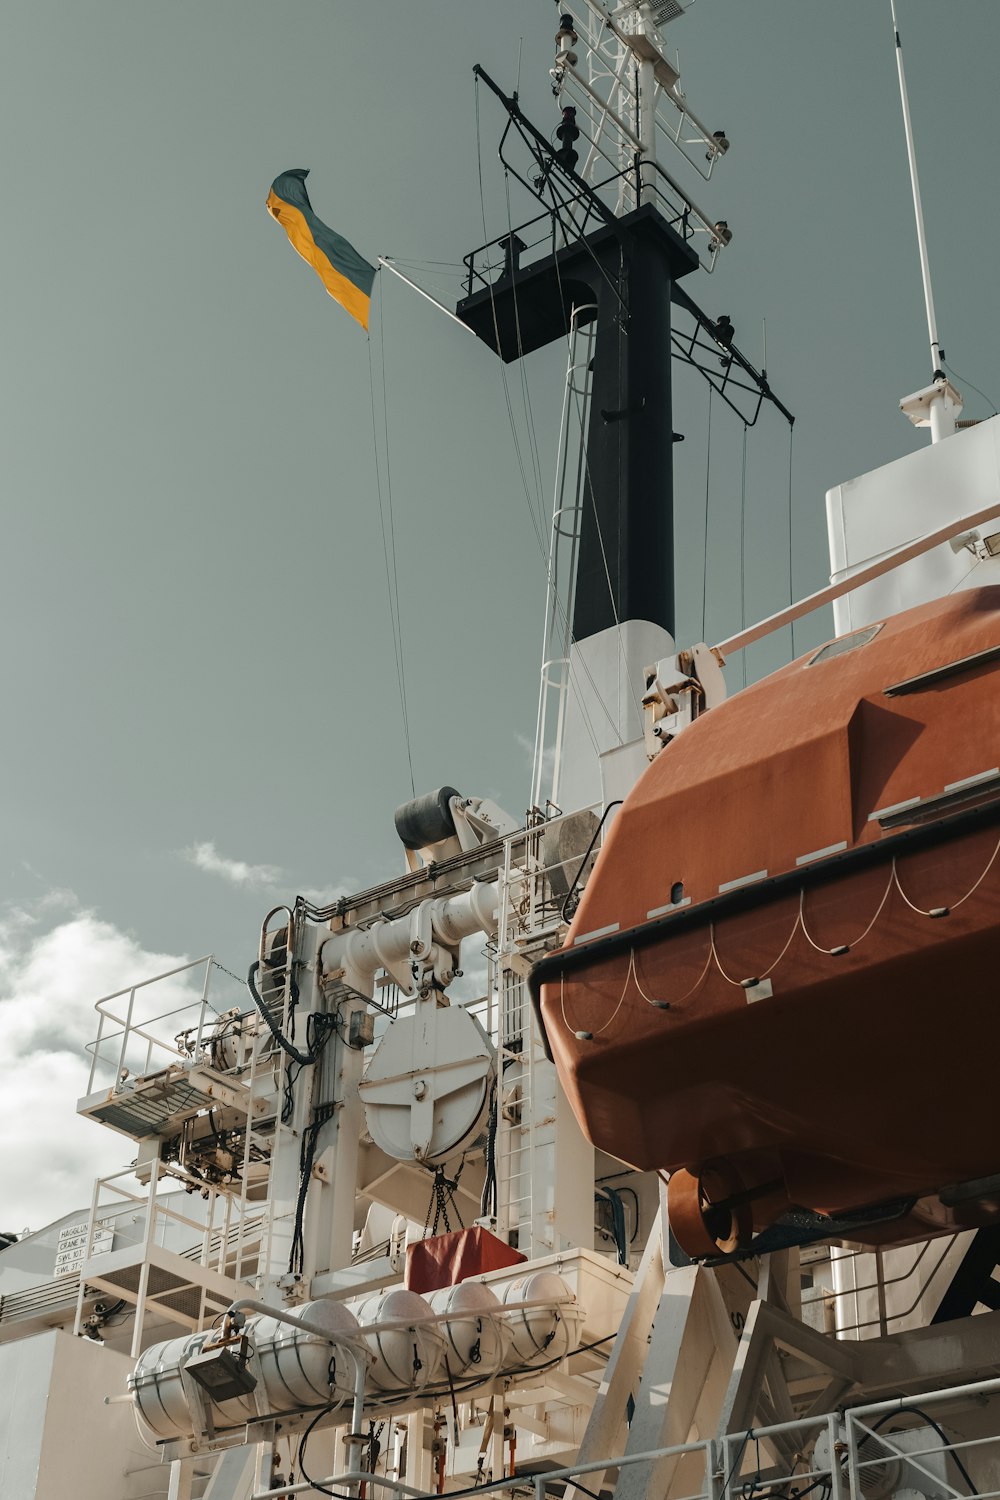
x: 228, y: 972
x: 443, y: 1195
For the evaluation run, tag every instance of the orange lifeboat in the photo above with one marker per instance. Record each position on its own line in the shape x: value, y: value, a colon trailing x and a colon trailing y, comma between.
x: 782, y: 983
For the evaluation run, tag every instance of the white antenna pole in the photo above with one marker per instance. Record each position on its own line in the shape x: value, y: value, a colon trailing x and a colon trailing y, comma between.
x: 942, y: 418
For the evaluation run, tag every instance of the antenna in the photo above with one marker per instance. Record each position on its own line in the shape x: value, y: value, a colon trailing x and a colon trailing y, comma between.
x: 937, y: 406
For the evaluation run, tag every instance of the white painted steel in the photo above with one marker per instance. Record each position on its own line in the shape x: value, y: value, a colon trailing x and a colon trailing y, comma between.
x: 427, y: 1089
x: 947, y: 489
x: 604, y: 707
x: 357, y: 955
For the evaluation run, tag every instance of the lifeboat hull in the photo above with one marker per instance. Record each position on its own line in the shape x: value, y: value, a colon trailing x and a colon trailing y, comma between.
x: 821, y: 1032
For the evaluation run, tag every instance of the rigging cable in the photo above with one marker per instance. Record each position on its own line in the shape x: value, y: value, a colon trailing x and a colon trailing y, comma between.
x: 392, y: 545
x: 389, y: 568
x: 708, y: 481
x: 525, y: 394
x: 791, y: 594
x: 539, y: 532
x: 743, y: 549
x: 539, y: 536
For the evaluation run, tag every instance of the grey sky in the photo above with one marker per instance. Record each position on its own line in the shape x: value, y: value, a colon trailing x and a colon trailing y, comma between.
x: 198, y: 654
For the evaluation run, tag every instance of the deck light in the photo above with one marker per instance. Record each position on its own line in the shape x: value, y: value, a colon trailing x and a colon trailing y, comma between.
x: 222, y: 1371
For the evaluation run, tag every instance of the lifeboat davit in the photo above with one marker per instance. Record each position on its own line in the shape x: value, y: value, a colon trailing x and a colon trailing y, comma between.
x: 782, y: 983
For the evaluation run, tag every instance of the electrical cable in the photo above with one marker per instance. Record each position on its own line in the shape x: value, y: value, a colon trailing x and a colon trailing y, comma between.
x: 488, y: 1202
x: 565, y: 913
x: 635, y: 1196
x: 735, y: 1463
x: 307, y: 1155
x: 619, y: 1231
x: 917, y: 1411
x: 444, y: 1389
x: 302, y: 1058
x: 964, y: 381
x: 708, y: 482
x: 322, y: 1488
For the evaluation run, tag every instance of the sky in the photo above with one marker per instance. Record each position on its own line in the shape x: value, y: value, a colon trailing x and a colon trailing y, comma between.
x: 202, y: 712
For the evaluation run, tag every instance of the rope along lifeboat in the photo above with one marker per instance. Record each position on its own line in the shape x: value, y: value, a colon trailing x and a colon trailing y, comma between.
x: 782, y: 984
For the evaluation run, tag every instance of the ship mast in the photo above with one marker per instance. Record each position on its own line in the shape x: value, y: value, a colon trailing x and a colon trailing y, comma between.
x: 623, y: 234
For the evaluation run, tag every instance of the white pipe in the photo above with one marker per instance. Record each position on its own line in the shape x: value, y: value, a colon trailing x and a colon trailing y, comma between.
x: 455, y: 1315
x: 856, y: 580
x: 363, y: 951
x: 358, y: 1476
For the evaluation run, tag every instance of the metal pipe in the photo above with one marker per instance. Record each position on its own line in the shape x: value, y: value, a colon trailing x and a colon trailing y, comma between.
x: 250, y: 1304
x: 398, y: 1325
x: 900, y: 1403
x: 358, y: 1476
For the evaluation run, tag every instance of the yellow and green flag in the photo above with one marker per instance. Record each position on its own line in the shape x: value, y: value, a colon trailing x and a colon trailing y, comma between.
x: 347, y: 276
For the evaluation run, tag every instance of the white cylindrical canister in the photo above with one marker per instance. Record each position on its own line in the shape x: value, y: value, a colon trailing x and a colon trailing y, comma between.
x: 546, y: 1332
x: 301, y: 1369
x: 161, y: 1403
x: 298, y: 1370
x: 407, y: 1357
x: 476, y: 1332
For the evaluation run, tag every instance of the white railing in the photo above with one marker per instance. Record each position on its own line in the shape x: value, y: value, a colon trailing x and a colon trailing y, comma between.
x: 837, y: 1456
x: 871, y: 1293
x: 139, y: 1029
x: 218, y: 1241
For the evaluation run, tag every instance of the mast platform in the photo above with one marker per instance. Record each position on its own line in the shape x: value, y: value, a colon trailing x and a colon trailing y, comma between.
x: 528, y: 307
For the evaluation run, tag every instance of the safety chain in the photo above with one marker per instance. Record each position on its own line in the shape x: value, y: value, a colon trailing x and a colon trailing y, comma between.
x: 228, y: 972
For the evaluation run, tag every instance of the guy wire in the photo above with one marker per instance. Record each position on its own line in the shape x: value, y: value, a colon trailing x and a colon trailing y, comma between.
x: 389, y: 566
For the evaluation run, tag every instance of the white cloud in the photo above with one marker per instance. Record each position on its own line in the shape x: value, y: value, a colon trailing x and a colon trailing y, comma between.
x: 206, y: 857
x: 239, y: 872
x: 326, y: 895
x: 56, y: 960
